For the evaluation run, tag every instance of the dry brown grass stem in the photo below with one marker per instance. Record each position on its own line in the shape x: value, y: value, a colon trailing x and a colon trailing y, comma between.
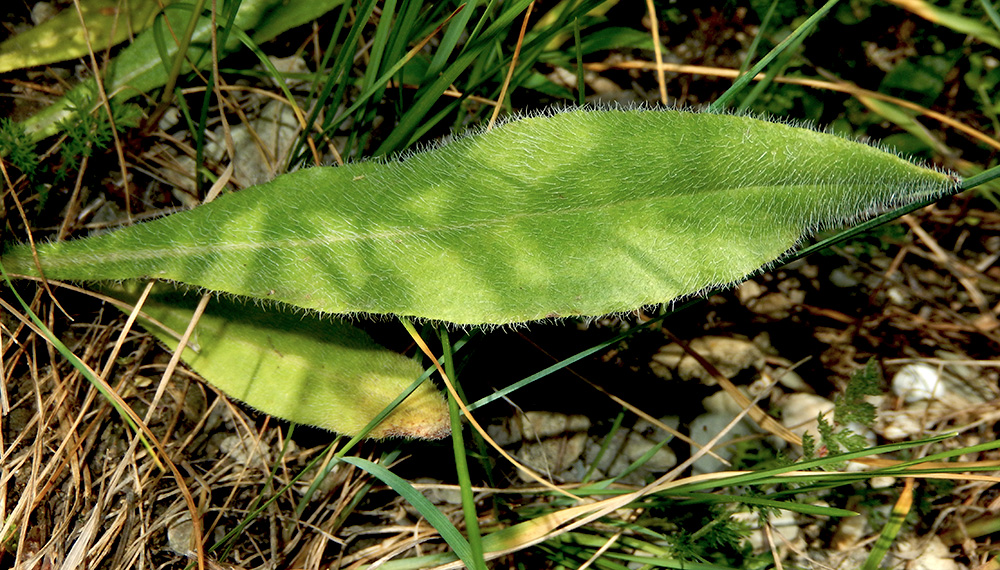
x: 654, y: 27
x: 105, y: 103
x: 638, y: 411
x: 965, y: 274
x: 840, y: 87
x: 510, y: 69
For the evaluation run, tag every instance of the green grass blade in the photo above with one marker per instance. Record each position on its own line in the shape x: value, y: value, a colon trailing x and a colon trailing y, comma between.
x: 616, y: 425
x: 891, y: 528
x: 806, y: 509
x: 581, y: 92
x: 461, y: 461
x: 75, y: 361
x: 991, y: 12
x: 449, y: 41
x: 792, y: 39
x: 758, y: 477
x: 436, y: 518
x: 429, y: 96
x: 337, y: 76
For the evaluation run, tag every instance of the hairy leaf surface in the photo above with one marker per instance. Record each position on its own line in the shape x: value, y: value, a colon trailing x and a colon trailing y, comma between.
x: 319, y: 372
x: 585, y: 212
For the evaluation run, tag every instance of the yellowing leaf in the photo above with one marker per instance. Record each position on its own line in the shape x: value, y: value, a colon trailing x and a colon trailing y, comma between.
x: 319, y: 372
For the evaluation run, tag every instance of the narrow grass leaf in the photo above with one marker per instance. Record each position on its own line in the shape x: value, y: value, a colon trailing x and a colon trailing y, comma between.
x: 770, y: 475
x: 139, y: 67
x: 792, y: 39
x: 436, y: 518
x: 812, y: 510
x: 429, y: 95
x: 458, y: 26
x: 461, y: 459
x: 116, y: 402
x: 891, y: 528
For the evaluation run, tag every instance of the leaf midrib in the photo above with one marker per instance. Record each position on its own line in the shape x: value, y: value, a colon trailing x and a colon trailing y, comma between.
x: 349, y: 237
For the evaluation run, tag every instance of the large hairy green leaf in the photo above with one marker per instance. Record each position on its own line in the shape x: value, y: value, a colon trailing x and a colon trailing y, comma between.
x: 578, y: 213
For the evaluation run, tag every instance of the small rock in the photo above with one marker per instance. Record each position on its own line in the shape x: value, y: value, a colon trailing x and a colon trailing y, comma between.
x: 728, y: 355
x: 180, y: 535
x: 16, y: 420
x: 548, y: 424
x: 763, y: 342
x: 749, y: 290
x: 807, y: 270
x: 707, y: 426
x: 925, y: 554
x: 181, y: 178
x: 897, y: 426
x: 293, y: 64
x: 850, y: 531
x: 916, y: 382
x: 612, y: 452
x: 789, y: 379
x: 839, y: 277
x: 898, y: 296
x: 637, y: 446
x: 626, y: 446
x: 654, y: 432
x: 244, y: 451
x: 170, y: 119
x: 552, y: 456
x: 438, y: 493
x: 785, y: 529
x: 722, y: 403
x: 42, y: 11
x: 659, y: 369
x: 668, y: 357
x: 922, y: 382
x: 797, y: 297
x: 881, y: 482
x: 276, y: 129
x: 551, y: 442
x: 562, y: 76
x: 776, y: 305
x: 992, y: 244
x: 536, y: 425
x: 799, y: 413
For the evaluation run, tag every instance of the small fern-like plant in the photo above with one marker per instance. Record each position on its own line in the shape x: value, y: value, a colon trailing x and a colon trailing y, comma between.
x: 17, y: 147
x: 88, y: 129
x: 849, y: 408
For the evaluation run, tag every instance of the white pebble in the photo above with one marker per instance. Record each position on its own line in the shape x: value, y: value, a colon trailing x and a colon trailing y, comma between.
x: 916, y: 382
x: 799, y: 413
